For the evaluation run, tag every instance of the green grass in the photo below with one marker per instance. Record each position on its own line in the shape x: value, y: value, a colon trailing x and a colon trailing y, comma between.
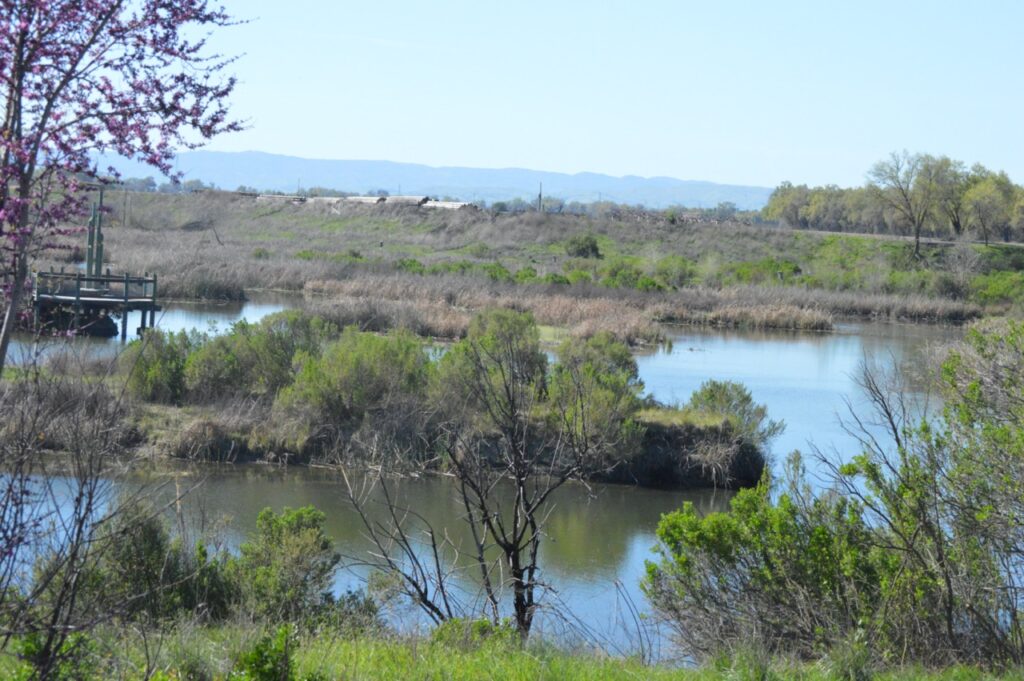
x: 999, y: 288
x: 285, y: 234
x: 680, y: 417
x: 192, y: 652
x: 552, y: 335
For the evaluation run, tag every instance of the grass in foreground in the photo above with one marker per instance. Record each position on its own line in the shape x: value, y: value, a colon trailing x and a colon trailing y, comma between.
x: 227, y: 653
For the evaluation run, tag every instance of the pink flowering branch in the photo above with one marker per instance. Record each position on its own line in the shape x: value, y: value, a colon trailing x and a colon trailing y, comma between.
x: 81, y: 78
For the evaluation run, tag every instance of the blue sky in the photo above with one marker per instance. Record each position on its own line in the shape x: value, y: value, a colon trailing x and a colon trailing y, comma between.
x: 733, y: 92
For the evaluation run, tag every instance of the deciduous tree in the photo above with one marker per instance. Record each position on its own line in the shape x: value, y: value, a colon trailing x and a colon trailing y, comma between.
x: 907, y: 184
x: 989, y: 206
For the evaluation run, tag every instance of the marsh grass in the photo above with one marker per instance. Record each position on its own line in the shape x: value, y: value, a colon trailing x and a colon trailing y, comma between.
x: 442, y: 306
x: 218, y: 244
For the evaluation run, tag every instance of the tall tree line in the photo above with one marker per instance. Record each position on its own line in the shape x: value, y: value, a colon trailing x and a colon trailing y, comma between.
x: 909, y: 194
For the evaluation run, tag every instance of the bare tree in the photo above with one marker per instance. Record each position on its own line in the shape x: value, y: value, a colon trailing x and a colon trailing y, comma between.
x: 62, y: 443
x: 907, y: 184
x: 512, y: 436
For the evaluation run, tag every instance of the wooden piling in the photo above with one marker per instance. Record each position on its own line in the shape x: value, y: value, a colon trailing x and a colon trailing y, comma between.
x: 92, y: 298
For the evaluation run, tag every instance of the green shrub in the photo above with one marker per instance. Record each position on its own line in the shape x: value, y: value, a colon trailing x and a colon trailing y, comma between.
x: 138, y: 569
x: 285, y: 569
x: 807, y: 568
x: 594, y: 394
x: 620, y: 273
x: 75, y: 660
x: 155, y: 365
x: 463, y: 634
x: 254, y: 359
x: 733, y: 402
x: 998, y: 288
x: 352, y: 615
x: 770, y: 271
x: 556, y: 279
x: 358, y: 376
x: 452, y: 267
x: 577, y: 276
x: 583, y: 246
x: 410, y: 265
x: 648, y: 284
x: 675, y: 271
x: 350, y: 255
x: 526, y: 275
x: 909, y: 282
x: 269, y: 659
x: 495, y: 271
x: 260, y: 253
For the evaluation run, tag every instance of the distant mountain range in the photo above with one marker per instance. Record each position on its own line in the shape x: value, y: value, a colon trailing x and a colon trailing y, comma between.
x: 230, y: 170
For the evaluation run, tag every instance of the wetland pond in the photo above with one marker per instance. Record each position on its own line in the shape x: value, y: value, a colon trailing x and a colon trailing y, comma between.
x: 597, y: 538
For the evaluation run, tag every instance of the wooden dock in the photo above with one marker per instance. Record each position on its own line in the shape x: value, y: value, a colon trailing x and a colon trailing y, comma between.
x: 88, y: 303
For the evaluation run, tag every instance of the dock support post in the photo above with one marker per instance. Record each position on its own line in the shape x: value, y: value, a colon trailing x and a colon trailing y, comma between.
x: 78, y: 299
x: 124, y: 308
x: 152, y: 310
x: 91, y: 243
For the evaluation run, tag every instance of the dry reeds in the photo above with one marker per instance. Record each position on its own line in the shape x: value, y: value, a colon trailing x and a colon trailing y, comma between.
x: 412, y: 301
x: 218, y: 244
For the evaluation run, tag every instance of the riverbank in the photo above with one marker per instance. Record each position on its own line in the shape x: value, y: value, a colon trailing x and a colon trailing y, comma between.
x: 675, y: 452
x: 295, y: 389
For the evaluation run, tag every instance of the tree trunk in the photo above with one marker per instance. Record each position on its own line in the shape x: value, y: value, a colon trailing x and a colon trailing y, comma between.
x: 13, y: 304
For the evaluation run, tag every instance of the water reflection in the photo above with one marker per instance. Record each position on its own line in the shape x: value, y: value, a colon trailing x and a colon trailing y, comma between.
x: 804, y: 379
x: 204, y: 316
x: 594, y: 537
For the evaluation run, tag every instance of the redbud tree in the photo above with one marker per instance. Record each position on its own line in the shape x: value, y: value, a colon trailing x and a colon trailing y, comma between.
x: 84, y: 79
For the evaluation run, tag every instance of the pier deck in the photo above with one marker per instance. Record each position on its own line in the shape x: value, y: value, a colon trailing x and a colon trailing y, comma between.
x: 89, y: 298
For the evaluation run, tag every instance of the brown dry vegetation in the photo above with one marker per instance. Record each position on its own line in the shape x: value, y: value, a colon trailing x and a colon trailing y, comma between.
x: 218, y: 244
x: 442, y: 305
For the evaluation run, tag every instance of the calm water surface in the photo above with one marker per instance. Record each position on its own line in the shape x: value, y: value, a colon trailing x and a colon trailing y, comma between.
x: 597, y: 539
x: 804, y: 379
x: 206, y: 316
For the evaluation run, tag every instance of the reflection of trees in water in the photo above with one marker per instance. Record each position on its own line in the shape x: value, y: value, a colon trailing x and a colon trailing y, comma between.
x: 589, y: 532
x: 592, y: 533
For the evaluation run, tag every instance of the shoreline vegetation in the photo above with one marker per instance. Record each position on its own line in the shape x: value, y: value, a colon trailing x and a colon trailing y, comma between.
x: 297, y: 388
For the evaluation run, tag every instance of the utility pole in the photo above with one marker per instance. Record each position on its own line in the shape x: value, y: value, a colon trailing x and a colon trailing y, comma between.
x: 540, y: 198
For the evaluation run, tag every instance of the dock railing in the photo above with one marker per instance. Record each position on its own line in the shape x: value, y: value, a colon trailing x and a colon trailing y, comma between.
x: 79, y: 285
x: 84, y: 292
